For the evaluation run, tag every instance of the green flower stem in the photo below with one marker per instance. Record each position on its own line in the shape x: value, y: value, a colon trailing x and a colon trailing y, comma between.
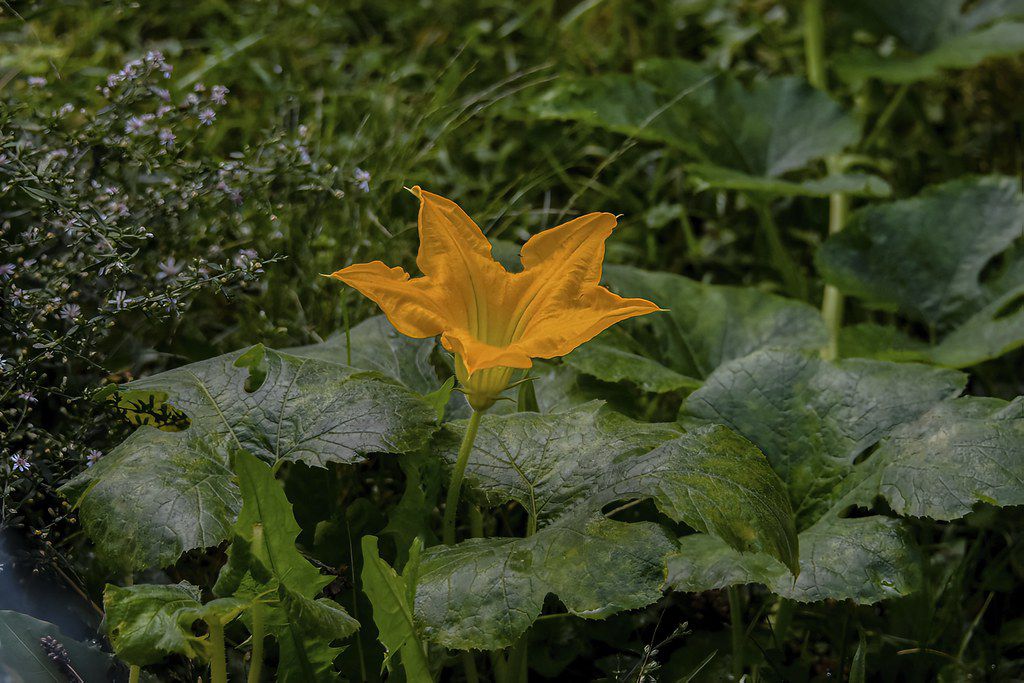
x: 218, y: 662
x: 133, y: 673
x: 258, y: 631
x: 736, y: 629
x: 451, y: 507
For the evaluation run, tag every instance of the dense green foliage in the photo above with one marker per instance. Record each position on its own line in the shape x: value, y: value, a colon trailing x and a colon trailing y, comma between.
x: 803, y: 469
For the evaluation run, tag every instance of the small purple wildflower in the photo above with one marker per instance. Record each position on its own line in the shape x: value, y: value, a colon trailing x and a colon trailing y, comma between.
x: 92, y: 457
x: 120, y: 300
x: 70, y: 311
x: 363, y: 179
x: 169, y: 269
x: 7, y: 270
x: 135, y: 125
x: 167, y: 137
x: 28, y: 397
x: 207, y: 116
x: 218, y: 94
x: 36, y: 81
x: 19, y: 463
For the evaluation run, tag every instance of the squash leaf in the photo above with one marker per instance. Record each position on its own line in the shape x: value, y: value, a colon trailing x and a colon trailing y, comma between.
x: 300, y: 410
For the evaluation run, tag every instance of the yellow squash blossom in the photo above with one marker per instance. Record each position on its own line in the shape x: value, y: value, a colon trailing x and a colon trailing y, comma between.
x: 492, y: 320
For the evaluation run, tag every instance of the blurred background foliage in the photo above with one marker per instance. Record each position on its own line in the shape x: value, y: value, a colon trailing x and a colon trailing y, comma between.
x: 507, y: 106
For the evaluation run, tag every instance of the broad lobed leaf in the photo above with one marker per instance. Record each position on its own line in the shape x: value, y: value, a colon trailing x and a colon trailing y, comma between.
x: 485, y: 593
x: 278, y: 406
x: 564, y: 468
x: 812, y: 418
x: 739, y: 137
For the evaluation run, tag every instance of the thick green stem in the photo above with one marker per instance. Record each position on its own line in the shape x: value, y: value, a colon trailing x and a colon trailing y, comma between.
x: 218, y: 660
x: 133, y: 673
x: 832, y: 300
x: 517, y: 662
x: 838, y: 203
x: 736, y: 629
x: 258, y: 631
x: 451, y: 507
x: 814, y: 43
x: 469, y: 667
x: 783, y: 620
x: 476, y: 522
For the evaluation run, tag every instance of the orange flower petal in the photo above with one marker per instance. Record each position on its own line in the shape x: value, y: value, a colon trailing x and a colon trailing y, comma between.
x: 408, y: 303
x: 578, y: 243
x: 456, y: 257
x: 564, y: 324
x: 477, y: 355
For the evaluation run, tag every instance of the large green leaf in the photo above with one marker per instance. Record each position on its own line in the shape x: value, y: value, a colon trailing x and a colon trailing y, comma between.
x: 926, y: 257
x: 148, y: 622
x: 265, y: 567
x: 702, y: 327
x: 157, y: 495
x: 936, y: 456
x: 959, y: 453
x: 937, y: 35
x: 812, y: 418
x: 392, y: 599
x: 865, y: 560
x: 605, y: 359
x: 374, y: 344
x: 583, y: 459
x: 485, y: 593
x: 564, y: 468
x: 739, y: 137
x: 173, y: 489
x: 22, y: 657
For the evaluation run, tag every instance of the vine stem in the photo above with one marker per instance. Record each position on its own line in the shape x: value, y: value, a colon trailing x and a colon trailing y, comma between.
x: 133, y: 673
x: 736, y: 629
x: 256, y: 659
x: 218, y: 662
x: 451, y: 506
x: 838, y: 203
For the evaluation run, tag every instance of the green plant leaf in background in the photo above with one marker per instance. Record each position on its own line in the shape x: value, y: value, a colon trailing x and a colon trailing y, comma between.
x: 864, y: 560
x: 266, y: 569
x: 485, y: 593
x: 392, y: 599
x: 563, y: 468
x: 738, y: 137
x: 155, y: 496
x: 22, y: 657
x: 279, y: 407
x: 813, y: 419
x: 936, y: 35
x: 941, y: 465
x: 926, y: 257
x: 377, y: 346
x: 148, y: 622
x: 703, y: 326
